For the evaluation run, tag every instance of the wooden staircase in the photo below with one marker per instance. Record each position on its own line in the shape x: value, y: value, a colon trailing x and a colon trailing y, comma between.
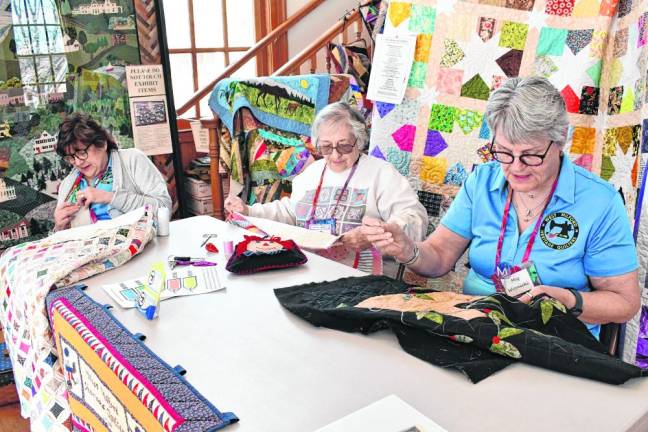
x: 348, y: 27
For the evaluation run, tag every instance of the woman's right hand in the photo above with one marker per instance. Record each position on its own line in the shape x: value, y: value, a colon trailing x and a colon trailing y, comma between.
x: 388, y: 238
x: 234, y: 204
x: 63, y: 215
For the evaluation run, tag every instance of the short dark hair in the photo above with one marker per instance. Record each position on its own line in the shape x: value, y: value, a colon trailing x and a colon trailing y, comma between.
x: 82, y: 127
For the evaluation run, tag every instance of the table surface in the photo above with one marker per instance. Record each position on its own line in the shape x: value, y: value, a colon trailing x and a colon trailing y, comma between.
x: 276, y: 372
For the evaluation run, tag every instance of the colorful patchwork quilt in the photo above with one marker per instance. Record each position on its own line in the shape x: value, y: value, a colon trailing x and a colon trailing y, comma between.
x: 27, y: 274
x: 264, y: 158
x: 114, y: 382
x: 594, y: 51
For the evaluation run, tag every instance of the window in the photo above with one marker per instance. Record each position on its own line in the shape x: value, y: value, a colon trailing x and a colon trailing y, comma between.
x: 204, y: 37
x: 39, y: 48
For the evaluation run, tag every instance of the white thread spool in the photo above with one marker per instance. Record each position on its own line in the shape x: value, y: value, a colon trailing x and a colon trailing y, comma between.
x: 163, y: 218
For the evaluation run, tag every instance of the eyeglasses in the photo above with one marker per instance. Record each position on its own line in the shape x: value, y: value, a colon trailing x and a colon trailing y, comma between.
x: 342, y: 147
x: 526, y: 159
x: 79, y: 154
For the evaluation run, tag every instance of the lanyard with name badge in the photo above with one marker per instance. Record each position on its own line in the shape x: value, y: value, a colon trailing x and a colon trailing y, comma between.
x: 518, y: 279
x: 329, y: 224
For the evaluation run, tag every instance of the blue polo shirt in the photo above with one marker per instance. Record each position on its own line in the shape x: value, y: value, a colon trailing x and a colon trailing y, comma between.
x: 585, y: 230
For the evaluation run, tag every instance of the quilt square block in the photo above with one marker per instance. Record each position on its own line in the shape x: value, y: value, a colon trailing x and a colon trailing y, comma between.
x: 422, y: 19
x: 422, y: 50
x: 589, y: 100
x: 551, y: 42
x: 442, y: 118
x: 598, y: 44
x: 615, y: 99
x: 449, y: 81
x: 560, y: 7
x: 513, y: 35
x: 620, y: 42
x: 583, y: 141
x: 417, y: 75
x: 433, y: 169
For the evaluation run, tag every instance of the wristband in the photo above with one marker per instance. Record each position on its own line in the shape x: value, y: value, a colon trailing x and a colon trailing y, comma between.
x: 412, y: 260
x: 578, y: 307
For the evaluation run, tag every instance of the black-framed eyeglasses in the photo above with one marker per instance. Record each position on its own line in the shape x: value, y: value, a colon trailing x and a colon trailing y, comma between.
x: 81, y: 155
x: 342, y: 147
x: 526, y: 159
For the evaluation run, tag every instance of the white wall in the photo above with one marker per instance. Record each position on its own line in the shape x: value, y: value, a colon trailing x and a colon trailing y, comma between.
x: 315, y: 24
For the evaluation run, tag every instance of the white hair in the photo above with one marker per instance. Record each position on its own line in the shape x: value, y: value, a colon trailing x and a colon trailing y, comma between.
x: 339, y: 112
x: 525, y: 108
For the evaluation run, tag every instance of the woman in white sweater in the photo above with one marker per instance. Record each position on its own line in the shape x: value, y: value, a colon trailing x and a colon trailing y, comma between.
x: 105, y: 182
x: 336, y: 192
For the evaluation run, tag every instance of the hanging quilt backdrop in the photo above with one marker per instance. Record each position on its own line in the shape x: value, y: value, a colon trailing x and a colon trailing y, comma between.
x: 27, y: 273
x: 595, y: 52
x: 114, y: 382
x: 263, y: 155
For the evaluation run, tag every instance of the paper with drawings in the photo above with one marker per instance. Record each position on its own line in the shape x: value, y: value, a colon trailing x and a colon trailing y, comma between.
x: 181, y: 281
x: 307, y: 239
x: 390, y: 414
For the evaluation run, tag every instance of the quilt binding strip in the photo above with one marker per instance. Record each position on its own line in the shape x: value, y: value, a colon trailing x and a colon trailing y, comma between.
x: 122, y: 364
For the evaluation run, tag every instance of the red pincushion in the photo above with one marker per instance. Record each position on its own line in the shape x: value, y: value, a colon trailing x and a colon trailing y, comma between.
x: 255, y: 254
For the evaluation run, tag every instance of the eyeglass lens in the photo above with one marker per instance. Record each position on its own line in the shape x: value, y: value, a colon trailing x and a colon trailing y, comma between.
x: 341, y: 147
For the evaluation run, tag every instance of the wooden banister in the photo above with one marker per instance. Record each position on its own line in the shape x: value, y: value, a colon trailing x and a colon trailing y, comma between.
x: 213, y: 126
x: 310, y: 51
x: 252, y: 52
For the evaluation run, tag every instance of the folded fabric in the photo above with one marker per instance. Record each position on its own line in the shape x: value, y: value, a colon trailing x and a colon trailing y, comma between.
x: 29, y: 271
x: 255, y: 254
x: 476, y: 335
x: 287, y: 103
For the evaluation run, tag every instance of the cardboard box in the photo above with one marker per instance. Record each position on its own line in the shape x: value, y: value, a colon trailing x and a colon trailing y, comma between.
x: 197, y: 188
x: 200, y: 206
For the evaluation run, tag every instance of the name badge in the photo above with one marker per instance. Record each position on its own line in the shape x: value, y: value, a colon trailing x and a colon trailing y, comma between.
x: 322, y: 225
x: 521, y: 280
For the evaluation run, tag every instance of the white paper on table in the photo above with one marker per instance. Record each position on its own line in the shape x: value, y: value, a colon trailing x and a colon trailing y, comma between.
x: 390, y: 67
x: 304, y: 238
x: 182, y: 281
x: 86, y: 231
x: 390, y: 414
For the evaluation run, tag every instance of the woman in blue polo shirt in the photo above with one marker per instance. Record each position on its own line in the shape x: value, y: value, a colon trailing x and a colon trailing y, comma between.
x: 536, y: 223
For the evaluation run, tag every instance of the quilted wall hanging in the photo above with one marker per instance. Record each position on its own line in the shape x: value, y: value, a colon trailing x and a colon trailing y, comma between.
x: 114, y: 382
x: 594, y: 51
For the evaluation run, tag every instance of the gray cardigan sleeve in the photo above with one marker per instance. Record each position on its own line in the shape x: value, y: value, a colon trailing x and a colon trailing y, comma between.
x: 141, y: 183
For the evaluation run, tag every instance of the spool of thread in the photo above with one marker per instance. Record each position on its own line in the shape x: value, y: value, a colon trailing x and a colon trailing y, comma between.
x: 163, y: 216
x: 228, y: 248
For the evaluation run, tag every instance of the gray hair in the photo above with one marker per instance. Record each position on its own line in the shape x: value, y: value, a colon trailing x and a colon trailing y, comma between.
x: 339, y: 112
x: 526, y: 108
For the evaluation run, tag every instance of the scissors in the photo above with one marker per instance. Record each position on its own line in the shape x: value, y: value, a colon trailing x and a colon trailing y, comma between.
x: 207, y: 237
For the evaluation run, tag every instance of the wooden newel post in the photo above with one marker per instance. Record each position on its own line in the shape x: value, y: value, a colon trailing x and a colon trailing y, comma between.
x: 213, y: 126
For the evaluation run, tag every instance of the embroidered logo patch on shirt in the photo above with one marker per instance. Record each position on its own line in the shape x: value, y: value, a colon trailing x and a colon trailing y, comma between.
x: 559, y: 230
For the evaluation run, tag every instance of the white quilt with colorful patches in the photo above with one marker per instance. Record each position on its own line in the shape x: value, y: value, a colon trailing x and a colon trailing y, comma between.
x: 594, y: 51
x: 27, y: 273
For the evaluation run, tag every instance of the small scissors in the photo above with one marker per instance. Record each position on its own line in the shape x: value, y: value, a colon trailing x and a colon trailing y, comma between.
x: 207, y: 237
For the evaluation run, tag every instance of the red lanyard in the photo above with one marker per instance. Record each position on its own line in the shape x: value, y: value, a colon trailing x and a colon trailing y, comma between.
x: 319, y: 188
x: 507, y: 207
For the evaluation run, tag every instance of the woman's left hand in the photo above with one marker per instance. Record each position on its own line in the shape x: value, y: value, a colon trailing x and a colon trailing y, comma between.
x: 539, y: 290
x: 92, y: 195
x: 355, y: 239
